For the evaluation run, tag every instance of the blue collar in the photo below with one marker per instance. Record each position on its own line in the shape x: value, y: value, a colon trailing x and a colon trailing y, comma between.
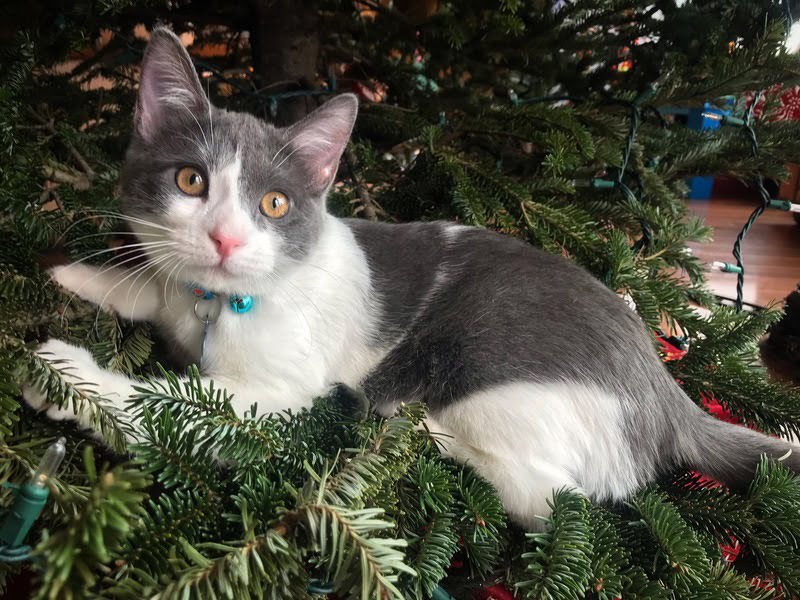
x: 239, y: 303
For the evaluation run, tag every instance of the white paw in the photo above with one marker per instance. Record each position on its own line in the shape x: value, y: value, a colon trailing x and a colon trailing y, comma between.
x: 76, y: 366
x: 70, y: 277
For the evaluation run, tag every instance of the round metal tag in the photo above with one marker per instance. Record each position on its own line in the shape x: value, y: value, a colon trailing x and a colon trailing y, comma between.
x: 207, y: 311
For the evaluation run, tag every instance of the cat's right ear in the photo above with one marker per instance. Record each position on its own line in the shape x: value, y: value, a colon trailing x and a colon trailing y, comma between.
x: 168, y: 83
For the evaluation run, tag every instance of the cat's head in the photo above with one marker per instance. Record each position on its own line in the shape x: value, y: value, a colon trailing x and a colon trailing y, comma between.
x: 220, y: 198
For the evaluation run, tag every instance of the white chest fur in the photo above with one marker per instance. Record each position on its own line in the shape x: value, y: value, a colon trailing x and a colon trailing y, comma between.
x: 312, y: 330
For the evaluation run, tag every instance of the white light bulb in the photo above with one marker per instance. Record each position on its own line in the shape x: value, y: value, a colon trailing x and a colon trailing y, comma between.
x: 793, y: 39
x: 50, y: 462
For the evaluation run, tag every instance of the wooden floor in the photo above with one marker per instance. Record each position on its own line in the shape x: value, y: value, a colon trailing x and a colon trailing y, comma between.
x: 771, y: 249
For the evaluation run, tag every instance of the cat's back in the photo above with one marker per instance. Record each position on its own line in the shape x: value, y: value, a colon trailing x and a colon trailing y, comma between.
x: 412, y: 262
x: 486, y: 307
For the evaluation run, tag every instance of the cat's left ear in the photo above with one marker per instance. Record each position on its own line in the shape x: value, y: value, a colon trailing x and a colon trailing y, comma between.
x: 168, y: 84
x: 319, y: 140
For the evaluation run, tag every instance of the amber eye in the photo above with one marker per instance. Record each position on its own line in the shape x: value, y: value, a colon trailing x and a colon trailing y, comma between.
x: 274, y: 205
x: 191, y: 181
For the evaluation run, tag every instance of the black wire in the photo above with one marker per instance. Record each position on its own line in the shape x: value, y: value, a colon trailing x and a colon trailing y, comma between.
x: 758, y: 182
x: 636, y: 119
x: 630, y: 196
x: 721, y: 299
x: 657, y: 113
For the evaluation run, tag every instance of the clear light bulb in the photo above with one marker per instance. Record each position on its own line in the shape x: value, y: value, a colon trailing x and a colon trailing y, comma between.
x: 50, y: 462
x: 712, y: 116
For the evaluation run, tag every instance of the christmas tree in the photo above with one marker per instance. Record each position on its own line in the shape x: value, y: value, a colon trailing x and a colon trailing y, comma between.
x: 537, y: 119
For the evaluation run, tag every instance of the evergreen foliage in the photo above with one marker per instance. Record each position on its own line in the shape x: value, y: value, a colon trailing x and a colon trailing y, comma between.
x: 211, y: 504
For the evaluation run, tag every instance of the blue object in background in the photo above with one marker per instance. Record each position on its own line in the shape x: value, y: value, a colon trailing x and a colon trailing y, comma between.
x: 707, y: 117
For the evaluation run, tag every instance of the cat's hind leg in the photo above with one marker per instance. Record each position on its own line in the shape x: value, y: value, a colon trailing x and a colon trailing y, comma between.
x: 531, y: 439
x: 525, y: 488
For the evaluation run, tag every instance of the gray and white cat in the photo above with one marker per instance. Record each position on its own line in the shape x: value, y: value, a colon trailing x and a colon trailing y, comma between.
x: 507, y: 346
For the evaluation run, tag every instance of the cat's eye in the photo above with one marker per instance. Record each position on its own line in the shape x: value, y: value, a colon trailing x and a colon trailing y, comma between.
x: 274, y: 205
x: 191, y: 181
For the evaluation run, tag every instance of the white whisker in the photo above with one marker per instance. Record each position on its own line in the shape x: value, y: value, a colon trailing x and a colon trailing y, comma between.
x: 138, y: 272
x: 210, y: 123
x: 139, y: 221
x: 166, y: 279
x: 122, y: 251
x: 168, y: 259
x: 282, y: 148
x: 199, y: 127
x: 288, y: 156
x: 158, y: 261
x: 111, y: 233
x: 101, y: 271
x: 183, y: 262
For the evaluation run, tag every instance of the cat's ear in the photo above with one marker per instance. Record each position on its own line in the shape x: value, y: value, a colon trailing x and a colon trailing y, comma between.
x: 168, y: 83
x: 319, y: 140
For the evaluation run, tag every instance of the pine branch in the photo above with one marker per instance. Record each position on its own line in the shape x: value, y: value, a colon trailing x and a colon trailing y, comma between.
x: 561, y: 565
x: 77, y: 156
x: 46, y: 377
x: 431, y: 554
x: 392, y: 443
x: 9, y: 393
x: 711, y: 508
x: 480, y: 520
x: 365, y: 206
x: 262, y: 566
x: 426, y: 517
x: 188, y: 515
x: 356, y: 561
x: 74, y: 552
x: 118, y: 349
x: 774, y: 497
x: 725, y: 584
x: 680, y: 554
x: 609, y: 560
x: 178, y: 454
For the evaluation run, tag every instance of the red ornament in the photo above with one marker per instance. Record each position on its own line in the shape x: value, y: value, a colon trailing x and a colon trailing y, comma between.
x: 730, y: 552
x: 363, y: 92
x: 788, y: 108
x: 493, y: 592
x: 668, y: 351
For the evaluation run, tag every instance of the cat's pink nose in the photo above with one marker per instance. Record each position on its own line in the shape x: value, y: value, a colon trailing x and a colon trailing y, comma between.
x: 224, y: 244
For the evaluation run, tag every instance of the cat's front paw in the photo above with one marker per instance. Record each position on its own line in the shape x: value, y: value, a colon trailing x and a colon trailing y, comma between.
x: 70, y: 277
x: 77, y: 367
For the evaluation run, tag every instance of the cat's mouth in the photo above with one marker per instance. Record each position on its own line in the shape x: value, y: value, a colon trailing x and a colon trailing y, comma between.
x: 218, y: 278
x: 222, y: 268
x: 217, y: 271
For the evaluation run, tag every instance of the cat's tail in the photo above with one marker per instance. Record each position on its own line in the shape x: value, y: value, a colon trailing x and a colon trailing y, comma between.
x: 730, y: 453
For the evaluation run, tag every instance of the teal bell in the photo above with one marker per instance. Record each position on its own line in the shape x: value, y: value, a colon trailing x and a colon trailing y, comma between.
x: 241, y: 304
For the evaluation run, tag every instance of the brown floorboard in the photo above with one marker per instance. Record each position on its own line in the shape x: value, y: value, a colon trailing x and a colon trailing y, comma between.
x: 771, y: 249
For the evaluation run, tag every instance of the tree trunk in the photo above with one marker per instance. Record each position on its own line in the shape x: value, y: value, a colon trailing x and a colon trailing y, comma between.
x: 284, y: 38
